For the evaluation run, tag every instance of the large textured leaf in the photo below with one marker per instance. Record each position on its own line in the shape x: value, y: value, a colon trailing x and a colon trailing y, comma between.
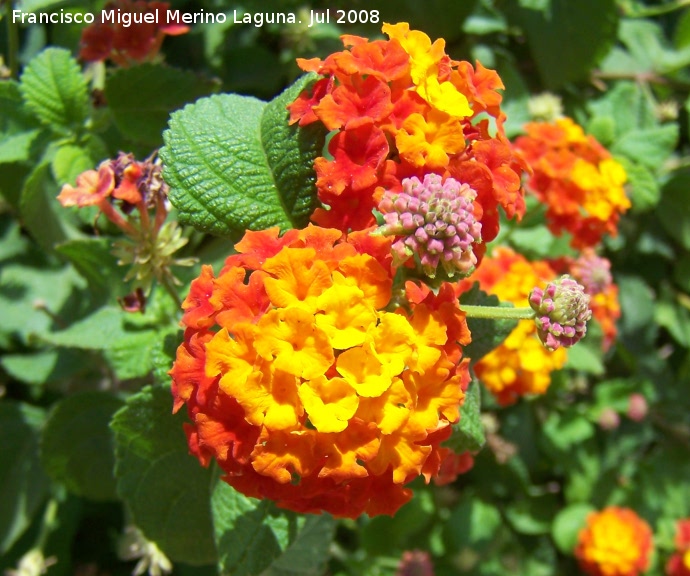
x: 233, y: 163
x: 166, y: 490
x: 141, y: 98
x: 77, y: 447
x: 55, y: 90
x: 254, y: 537
x: 24, y: 484
x: 567, y: 39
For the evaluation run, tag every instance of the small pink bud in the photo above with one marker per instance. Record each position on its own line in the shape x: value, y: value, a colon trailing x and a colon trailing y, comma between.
x: 637, y: 408
x: 609, y: 419
x: 415, y: 563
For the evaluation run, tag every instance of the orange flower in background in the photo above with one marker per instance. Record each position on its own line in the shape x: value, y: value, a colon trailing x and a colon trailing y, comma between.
x: 679, y: 563
x: 615, y: 542
x: 133, y: 34
x: 403, y: 108
x: 520, y: 365
x: 575, y: 176
x: 594, y: 273
x: 303, y: 384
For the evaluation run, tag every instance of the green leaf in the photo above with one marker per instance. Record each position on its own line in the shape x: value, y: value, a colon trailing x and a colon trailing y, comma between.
x: 586, y: 358
x: 674, y: 209
x: 487, y: 334
x: 468, y: 432
x: 16, y: 147
x: 565, y: 430
x: 166, y: 490
x: 97, y: 331
x: 233, y: 164
x: 77, y: 445
x: 55, y: 90
x: 472, y: 523
x: 70, y: 161
x: 38, y: 209
x: 40, y: 368
x: 628, y: 105
x: 130, y: 356
x: 642, y: 187
x: 651, y: 147
x: 91, y: 257
x: 567, y: 525
x: 567, y: 42
x: 141, y: 98
x: 532, y: 516
x: 255, y: 537
x: 24, y: 484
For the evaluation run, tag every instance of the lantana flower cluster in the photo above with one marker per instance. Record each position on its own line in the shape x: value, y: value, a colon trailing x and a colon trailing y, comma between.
x: 402, y: 108
x: 520, y: 365
x: 577, y: 179
x: 310, y: 382
x: 123, y: 43
x: 615, y: 542
x: 679, y: 563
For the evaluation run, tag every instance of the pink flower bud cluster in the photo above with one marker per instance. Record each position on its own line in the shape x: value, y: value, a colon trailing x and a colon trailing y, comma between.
x: 562, y: 312
x: 436, y: 224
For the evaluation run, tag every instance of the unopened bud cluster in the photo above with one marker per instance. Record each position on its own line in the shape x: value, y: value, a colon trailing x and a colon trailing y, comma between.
x: 562, y: 310
x: 436, y: 224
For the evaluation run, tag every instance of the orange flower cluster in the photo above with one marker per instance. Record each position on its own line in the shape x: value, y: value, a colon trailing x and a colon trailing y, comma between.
x: 401, y: 108
x: 304, y: 387
x: 575, y: 176
x: 124, y: 44
x: 679, y: 563
x: 520, y: 365
x: 615, y: 542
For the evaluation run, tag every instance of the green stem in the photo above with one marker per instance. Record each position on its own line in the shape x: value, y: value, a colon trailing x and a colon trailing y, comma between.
x: 12, y: 41
x: 170, y: 289
x: 498, y: 312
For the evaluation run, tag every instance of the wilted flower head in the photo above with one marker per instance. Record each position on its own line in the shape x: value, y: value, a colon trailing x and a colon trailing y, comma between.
x: 615, y: 542
x: 435, y: 224
x: 301, y: 383
x: 33, y: 563
x: 133, y: 545
x: 562, y: 312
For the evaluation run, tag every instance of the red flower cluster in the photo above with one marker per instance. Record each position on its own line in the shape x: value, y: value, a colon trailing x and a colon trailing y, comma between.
x: 400, y: 108
x: 138, y: 41
x: 679, y: 563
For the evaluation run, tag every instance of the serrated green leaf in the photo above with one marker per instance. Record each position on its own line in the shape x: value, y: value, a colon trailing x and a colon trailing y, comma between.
x: 254, y: 537
x: 77, y: 445
x: 166, y: 490
x: 651, y: 147
x: 97, y: 331
x: 233, y: 164
x: 567, y: 525
x: 54, y: 89
x: 565, y: 41
x: 141, y: 98
x: 16, y: 147
x: 642, y: 187
x: 130, y: 356
x: 487, y: 334
x: 468, y: 432
x: 39, y: 368
x: 38, y: 209
x: 24, y: 484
